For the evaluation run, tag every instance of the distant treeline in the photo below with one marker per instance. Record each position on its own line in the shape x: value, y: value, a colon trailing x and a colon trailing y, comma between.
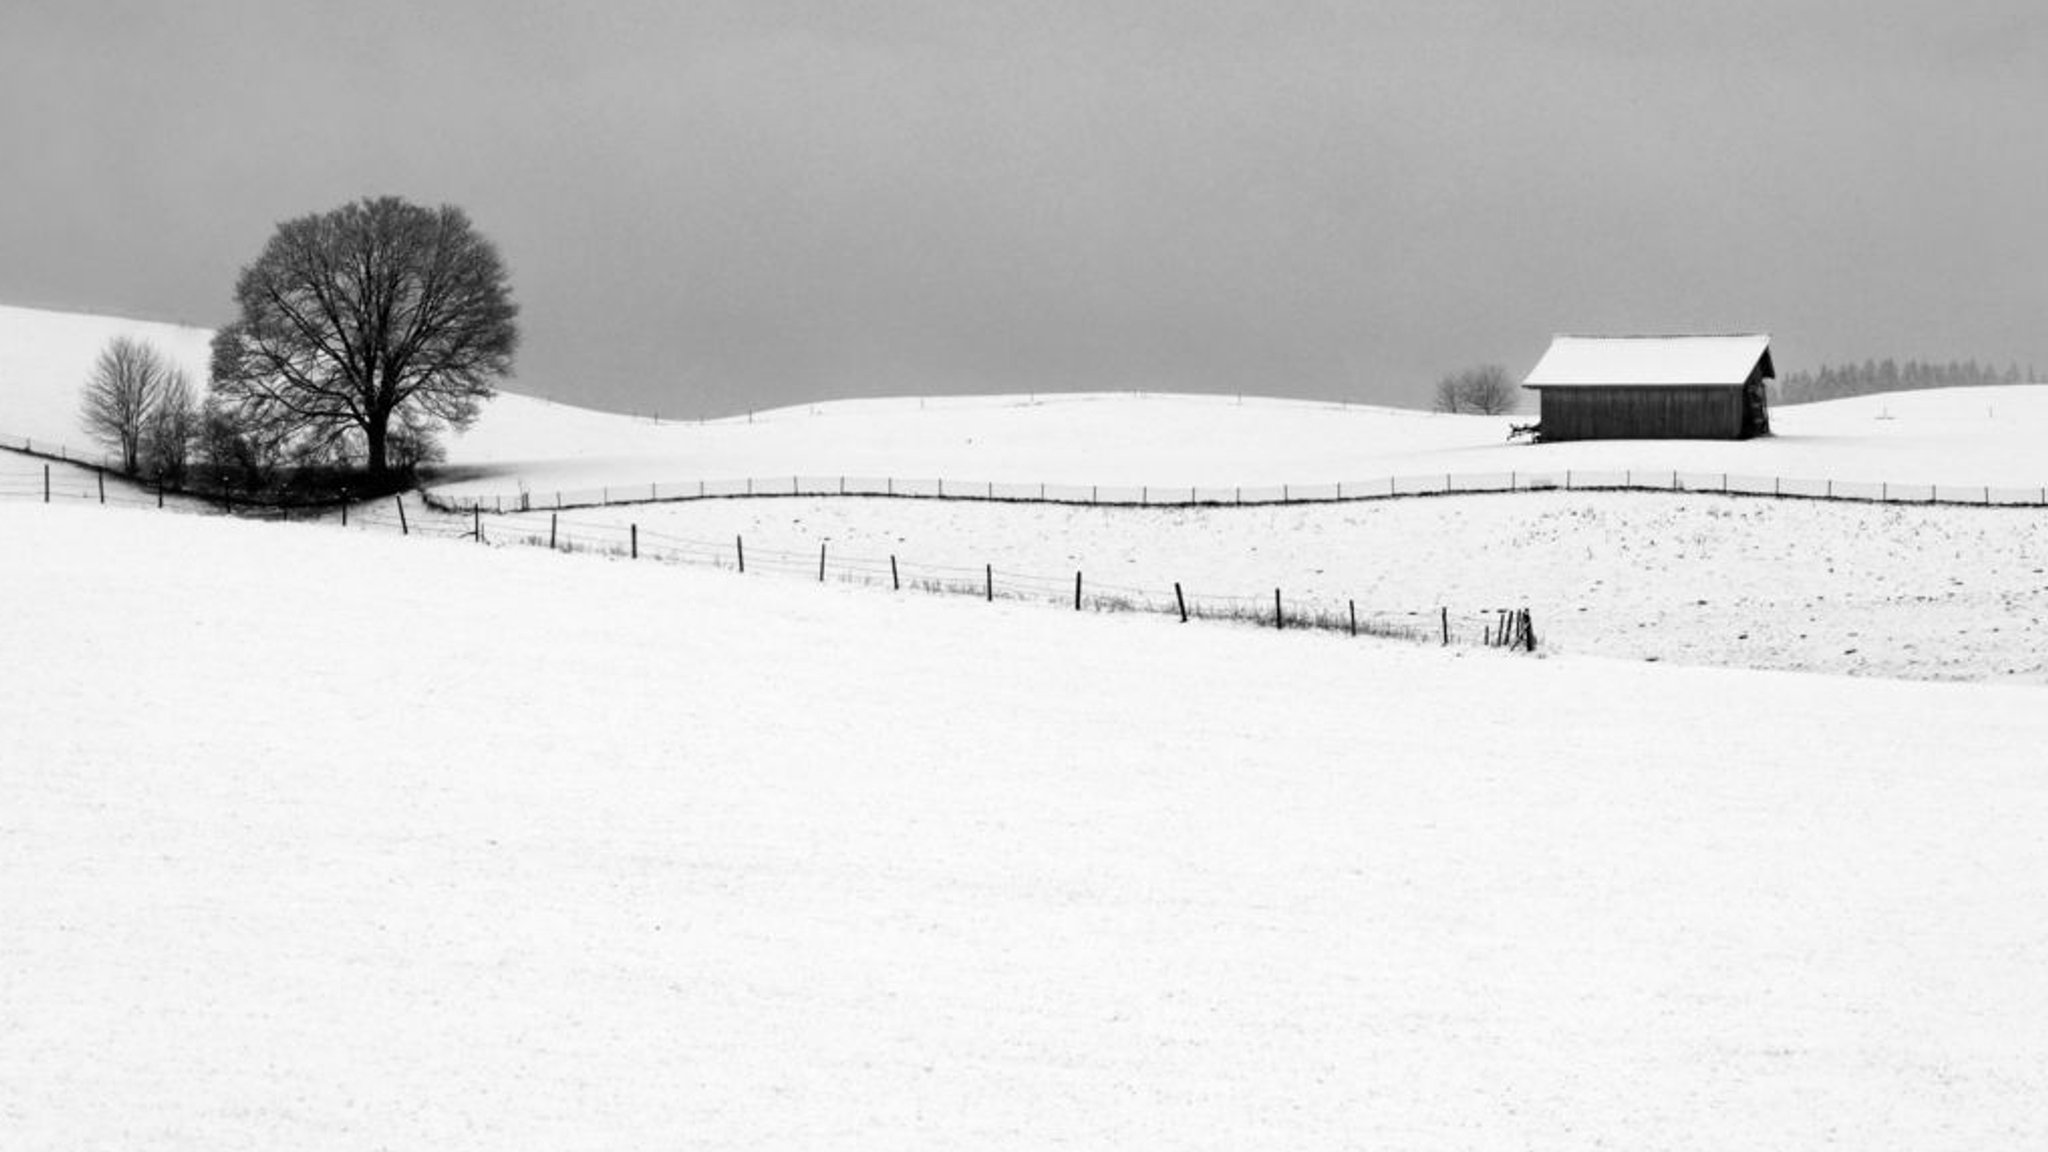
x: 1832, y: 382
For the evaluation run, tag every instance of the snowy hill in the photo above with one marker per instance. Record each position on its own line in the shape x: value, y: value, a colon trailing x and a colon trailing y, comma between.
x: 1962, y: 437
x: 1973, y: 436
x: 46, y: 356
x: 562, y: 853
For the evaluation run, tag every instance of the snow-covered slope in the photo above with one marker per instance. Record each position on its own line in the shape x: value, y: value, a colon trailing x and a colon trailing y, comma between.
x: 1969, y: 436
x: 497, y: 848
x: 46, y: 356
x: 1988, y: 436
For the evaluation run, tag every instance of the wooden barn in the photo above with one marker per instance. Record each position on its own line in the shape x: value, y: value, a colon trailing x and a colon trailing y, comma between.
x: 1653, y: 387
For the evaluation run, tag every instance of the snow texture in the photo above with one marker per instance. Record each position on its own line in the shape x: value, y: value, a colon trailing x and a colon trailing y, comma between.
x: 326, y: 840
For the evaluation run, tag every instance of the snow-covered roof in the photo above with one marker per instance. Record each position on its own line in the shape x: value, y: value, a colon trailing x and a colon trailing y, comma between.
x: 1595, y: 361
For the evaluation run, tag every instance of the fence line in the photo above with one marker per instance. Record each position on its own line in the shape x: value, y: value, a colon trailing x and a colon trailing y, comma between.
x: 1496, y: 627
x: 1192, y: 496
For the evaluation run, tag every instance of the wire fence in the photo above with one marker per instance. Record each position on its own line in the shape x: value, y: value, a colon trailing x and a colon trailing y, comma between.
x: 1157, y: 496
x: 1496, y: 627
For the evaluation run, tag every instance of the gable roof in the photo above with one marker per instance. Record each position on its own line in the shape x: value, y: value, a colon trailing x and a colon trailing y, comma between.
x: 1653, y: 361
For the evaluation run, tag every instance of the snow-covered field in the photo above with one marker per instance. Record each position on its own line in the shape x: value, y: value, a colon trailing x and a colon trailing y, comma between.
x: 1934, y: 593
x: 313, y: 839
x: 1960, y: 437
x: 1887, y: 590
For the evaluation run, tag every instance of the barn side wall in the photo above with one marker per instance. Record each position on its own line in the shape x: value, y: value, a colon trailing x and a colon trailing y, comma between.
x: 1714, y: 412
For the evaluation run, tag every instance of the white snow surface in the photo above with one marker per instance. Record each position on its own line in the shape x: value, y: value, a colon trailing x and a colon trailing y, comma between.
x: 1960, y: 437
x: 325, y: 840
x: 1863, y: 589
x: 1648, y: 360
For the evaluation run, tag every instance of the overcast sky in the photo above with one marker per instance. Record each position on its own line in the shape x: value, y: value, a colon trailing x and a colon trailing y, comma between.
x: 711, y: 206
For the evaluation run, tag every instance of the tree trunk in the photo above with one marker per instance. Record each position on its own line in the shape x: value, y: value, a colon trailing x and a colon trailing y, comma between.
x: 375, y: 434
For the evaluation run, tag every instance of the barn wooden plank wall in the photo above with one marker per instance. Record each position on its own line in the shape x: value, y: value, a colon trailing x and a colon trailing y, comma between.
x: 1663, y: 412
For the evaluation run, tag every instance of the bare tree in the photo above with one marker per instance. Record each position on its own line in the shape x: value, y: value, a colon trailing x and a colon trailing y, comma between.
x: 171, y: 431
x: 1487, y: 390
x: 376, y: 318
x: 120, y: 394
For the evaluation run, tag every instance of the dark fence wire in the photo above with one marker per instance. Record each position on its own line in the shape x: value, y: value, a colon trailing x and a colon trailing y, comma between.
x: 1202, y: 496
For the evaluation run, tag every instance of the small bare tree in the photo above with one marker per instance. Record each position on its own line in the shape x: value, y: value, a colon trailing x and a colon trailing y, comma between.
x: 1487, y: 390
x: 171, y: 431
x: 120, y: 395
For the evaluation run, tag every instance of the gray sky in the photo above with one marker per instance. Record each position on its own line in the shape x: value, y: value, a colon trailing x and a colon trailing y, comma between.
x: 711, y: 206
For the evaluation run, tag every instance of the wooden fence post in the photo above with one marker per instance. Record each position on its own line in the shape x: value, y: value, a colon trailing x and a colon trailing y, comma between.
x: 1180, y: 600
x: 633, y: 539
x: 476, y: 516
x: 344, y: 504
x: 895, y: 581
x: 102, y: 478
x: 46, y: 483
x: 1279, y: 620
x: 1077, y: 591
x: 1354, y: 617
x: 1447, y: 625
x: 821, y: 561
x: 551, y: 530
x: 989, y: 574
x: 740, y: 546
